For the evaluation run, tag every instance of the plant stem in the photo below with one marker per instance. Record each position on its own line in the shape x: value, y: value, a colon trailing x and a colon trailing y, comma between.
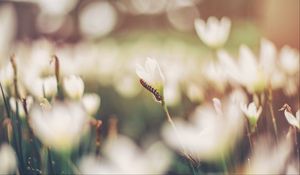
x: 17, y: 119
x: 175, y: 129
x: 250, y: 141
x: 189, y: 159
x: 249, y: 136
x: 296, y: 144
x: 270, y: 98
x: 224, y: 163
x: 50, y: 162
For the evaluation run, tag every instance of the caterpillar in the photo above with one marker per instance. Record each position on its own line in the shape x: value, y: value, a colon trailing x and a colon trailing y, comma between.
x: 156, y: 94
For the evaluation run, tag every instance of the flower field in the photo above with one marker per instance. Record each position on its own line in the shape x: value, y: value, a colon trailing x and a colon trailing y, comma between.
x: 138, y: 87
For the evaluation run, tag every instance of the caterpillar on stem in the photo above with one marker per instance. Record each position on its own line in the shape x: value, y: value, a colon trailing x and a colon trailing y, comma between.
x: 154, y: 91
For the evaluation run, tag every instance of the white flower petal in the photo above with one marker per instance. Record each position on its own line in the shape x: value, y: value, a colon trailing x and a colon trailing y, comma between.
x: 247, y: 60
x: 229, y: 65
x: 291, y: 119
x: 150, y: 65
x: 267, y: 56
x: 141, y: 72
x: 252, y: 109
x: 151, y: 73
x: 217, y: 105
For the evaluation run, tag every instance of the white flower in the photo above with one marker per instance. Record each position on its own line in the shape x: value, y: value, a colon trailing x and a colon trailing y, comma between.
x: 293, y: 120
x: 252, y: 112
x: 7, y: 75
x: 256, y: 73
x: 267, y: 57
x: 213, y: 33
x: 41, y: 87
x: 133, y: 160
x: 91, y: 15
x: 60, y: 126
x: 56, y: 7
x: 215, y: 75
x: 91, y: 103
x: 12, y: 103
x: 246, y: 71
x: 269, y: 158
x: 126, y: 85
x: 74, y: 86
x: 8, y: 28
x: 211, y: 132
x: 8, y: 159
x: 289, y: 60
x: 151, y: 73
x: 50, y: 86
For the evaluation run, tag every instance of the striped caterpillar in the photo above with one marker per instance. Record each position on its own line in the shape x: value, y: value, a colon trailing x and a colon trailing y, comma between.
x: 156, y: 94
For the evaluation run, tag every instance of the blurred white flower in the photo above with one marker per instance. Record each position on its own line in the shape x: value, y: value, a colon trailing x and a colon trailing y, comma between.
x: 214, y: 33
x: 289, y: 60
x: 41, y: 87
x: 172, y: 94
x: 50, y: 86
x: 56, y: 7
x: 74, y: 86
x: 269, y: 158
x: 12, y: 102
x: 212, y: 131
x: 293, y: 120
x: 97, y: 19
x: 8, y: 159
x: 291, y: 86
x: 252, y: 112
x: 122, y: 156
x: 60, y: 126
x: 267, y: 57
x: 194, y: 92
x: 91, y: 103
x: 278, y: 80
x: 7, y: 75
x: 256, y: 73
x: 246, y: 71
x: 215, y: 74
x: 238, y: 96
x: 151, y: 74
x: 8, y: 18
x: 126, y: 85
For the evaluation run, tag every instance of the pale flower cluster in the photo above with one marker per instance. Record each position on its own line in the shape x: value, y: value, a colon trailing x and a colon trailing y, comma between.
x: 59, y: 125
x: 259, y: 73
x: 211, y: 132
x: 123, y: 156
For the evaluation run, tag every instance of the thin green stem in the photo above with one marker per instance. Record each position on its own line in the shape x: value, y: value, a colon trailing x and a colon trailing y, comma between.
x: 17, y: 119
x: 224, y: 165
x: 250, y: 141
x: 7, y: 109
x: 175, y: 129
x: 186, y: 155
